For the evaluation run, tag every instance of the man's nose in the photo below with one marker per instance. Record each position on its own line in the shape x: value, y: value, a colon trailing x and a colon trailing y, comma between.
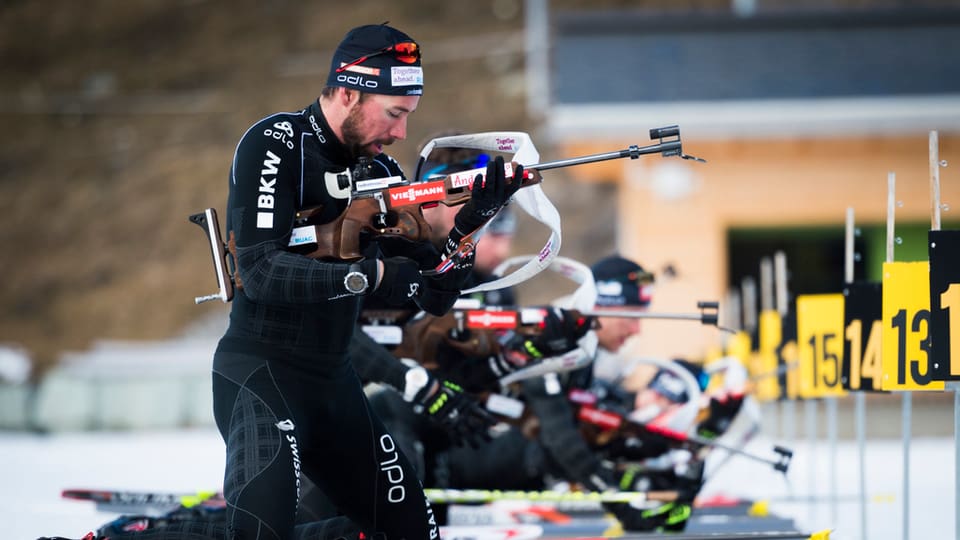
x: 399, y: 129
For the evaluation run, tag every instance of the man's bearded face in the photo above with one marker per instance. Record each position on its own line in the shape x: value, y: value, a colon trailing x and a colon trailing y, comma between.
x: 353, y: 137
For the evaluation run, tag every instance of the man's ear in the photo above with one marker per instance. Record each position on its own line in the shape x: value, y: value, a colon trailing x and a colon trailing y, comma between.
x: 347, y: 96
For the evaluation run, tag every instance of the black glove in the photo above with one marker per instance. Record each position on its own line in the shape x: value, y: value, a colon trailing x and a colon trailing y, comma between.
x: 490, y: 193
x: 722, y: 412
x: 561, y: 329
x: 558, y: 333
x: 441, y: 291
x: 668, y: 516
x: 401, y: 280
x: 461, y: 416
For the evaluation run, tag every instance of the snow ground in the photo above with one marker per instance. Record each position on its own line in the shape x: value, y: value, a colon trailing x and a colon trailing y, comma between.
x: 35, y: 468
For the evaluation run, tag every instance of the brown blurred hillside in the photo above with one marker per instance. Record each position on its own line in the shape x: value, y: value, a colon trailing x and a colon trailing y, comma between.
x: 121, y: 118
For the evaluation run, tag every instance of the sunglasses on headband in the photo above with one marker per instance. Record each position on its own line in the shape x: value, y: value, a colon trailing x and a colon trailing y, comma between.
x: 407, y: 52
x: 641, y: 278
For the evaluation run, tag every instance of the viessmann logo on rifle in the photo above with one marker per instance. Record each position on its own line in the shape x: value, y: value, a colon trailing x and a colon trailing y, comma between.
x: 491, y: 319
x: 428, y: 192
x: 602, y: 419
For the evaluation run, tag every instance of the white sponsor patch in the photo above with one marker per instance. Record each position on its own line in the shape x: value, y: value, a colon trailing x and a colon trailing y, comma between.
x: 378, y: 183
x: 467, y: 303
x: 384, y: 334
x: 503, y: 405
x: 609, y: 288
x: 264, y: 220
x: 303, y: 235
x: 465, y: 178
x: 406, y: 76
x: 531, y: 315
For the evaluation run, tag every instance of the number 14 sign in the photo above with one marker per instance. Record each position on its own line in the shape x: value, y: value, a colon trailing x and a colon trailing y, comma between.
x: 944, y: 249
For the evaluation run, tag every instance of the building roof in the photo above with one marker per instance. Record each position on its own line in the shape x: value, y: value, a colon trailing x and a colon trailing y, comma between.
x: 800, y: 73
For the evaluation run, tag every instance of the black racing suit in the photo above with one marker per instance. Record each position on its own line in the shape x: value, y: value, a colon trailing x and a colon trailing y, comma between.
x: 423, y: 442
x: 286, y: 399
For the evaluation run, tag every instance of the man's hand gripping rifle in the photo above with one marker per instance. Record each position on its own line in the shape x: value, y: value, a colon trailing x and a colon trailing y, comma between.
x: 393, y: 206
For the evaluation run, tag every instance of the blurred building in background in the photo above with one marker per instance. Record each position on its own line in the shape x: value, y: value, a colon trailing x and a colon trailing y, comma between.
x: 800, y: 115
x: 800, y: 108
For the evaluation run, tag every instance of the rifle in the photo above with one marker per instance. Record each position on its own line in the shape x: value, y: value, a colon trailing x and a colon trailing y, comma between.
x: 393, y: 206
x: 612, y: 424
x: 474, y: 332
x: 708, y: 314
x: 471, y: 332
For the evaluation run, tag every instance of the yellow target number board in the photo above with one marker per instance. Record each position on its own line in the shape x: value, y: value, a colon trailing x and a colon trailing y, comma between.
x: 863, y: 314
x: 820, y: 339
x: 770, y: 336
x: 944, y: 250
x: 906, y: 350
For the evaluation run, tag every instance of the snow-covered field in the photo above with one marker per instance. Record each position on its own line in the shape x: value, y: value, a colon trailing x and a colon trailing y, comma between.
x: 35, y: 468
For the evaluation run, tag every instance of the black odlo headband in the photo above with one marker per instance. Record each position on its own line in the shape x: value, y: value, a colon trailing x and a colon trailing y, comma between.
x: 621, y: 282
x: 378, y: 59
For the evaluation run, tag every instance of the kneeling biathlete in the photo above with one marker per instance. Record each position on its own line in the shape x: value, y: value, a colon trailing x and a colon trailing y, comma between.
x: 287, y: 401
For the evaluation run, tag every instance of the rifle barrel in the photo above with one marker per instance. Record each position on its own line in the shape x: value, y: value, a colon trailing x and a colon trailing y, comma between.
x: 641, y: 315
x: 633, y: 152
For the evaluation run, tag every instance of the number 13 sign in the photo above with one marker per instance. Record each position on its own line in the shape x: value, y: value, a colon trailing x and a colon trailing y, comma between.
x: 907, y: 362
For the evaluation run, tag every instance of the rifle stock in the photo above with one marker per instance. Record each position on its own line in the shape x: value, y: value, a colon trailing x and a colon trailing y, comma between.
x: 396, y: 210
x: 471, y: 332
x: 340, y: 239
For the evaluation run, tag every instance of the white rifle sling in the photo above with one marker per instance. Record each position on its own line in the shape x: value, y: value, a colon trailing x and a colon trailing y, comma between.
x: 531, y: 199
x: 568, y: 361
x: 583, y: 299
